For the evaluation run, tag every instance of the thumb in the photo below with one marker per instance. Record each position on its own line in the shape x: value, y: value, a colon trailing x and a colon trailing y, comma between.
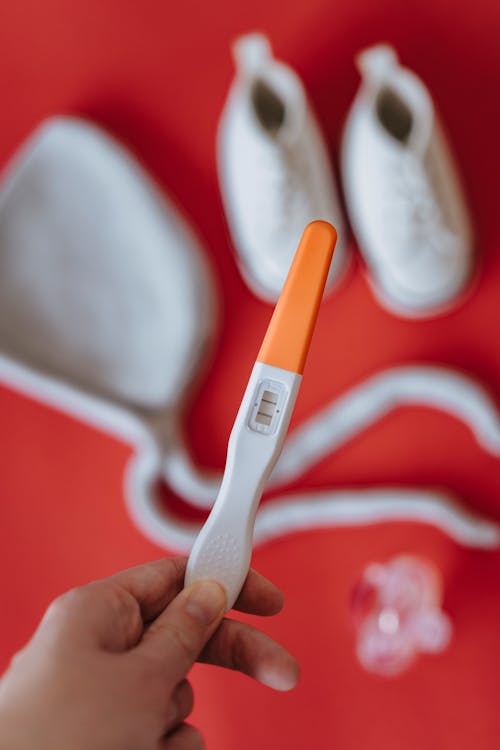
x: 180, y: 632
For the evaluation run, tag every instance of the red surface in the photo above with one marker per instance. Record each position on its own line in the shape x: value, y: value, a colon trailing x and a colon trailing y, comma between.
x: 156, y: 75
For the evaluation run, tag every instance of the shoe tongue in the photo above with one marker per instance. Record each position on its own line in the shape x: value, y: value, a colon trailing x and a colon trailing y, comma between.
x: 376, y: 63
x: 402, y: 104
x: 276, y: 96
x: 250, y: 52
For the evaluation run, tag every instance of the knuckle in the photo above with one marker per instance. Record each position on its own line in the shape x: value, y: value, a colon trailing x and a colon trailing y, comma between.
x: 59, y: 615
x: 194, y: 740
x: 184, y: 698
x: 178, y: 565
x: 75, y: 597
x: 18, y: 659
x: 180, y: 705
x: 127, y: 613
x: 125, y: 605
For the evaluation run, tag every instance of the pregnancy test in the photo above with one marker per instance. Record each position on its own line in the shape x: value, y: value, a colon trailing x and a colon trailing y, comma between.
x: 223, y: 548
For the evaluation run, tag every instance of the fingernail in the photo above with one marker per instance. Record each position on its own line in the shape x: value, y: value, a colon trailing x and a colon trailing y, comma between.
x: 206, y: 601
x: 282, y: 679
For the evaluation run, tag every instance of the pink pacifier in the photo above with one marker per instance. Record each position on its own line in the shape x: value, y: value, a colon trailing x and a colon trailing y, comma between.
x: 397, y: 610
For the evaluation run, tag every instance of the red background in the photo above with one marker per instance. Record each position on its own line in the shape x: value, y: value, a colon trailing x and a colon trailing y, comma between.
x: 156, y: 74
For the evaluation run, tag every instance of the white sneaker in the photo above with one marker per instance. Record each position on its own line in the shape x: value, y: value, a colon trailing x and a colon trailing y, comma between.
x: 402, y: 191
x: 274, y: 169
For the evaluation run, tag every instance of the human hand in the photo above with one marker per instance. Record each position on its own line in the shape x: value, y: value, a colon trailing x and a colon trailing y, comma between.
x: 106, y: 668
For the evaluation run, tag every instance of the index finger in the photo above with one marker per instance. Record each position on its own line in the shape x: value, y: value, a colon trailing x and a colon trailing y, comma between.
x: 153, y: 585
x: 112, y: 611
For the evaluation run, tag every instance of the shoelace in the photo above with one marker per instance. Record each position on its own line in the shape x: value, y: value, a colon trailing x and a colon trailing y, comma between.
x: 414, y: 216
x: 284, y: 192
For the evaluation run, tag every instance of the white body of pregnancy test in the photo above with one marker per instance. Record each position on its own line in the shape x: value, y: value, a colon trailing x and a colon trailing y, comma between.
x: 223, y: 548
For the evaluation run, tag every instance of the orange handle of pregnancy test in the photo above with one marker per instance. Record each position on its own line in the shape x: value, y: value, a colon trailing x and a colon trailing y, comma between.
x: 289, y: 334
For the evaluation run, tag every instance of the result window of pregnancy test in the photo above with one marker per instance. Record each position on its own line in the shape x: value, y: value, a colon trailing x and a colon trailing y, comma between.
x: 267, y: 407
